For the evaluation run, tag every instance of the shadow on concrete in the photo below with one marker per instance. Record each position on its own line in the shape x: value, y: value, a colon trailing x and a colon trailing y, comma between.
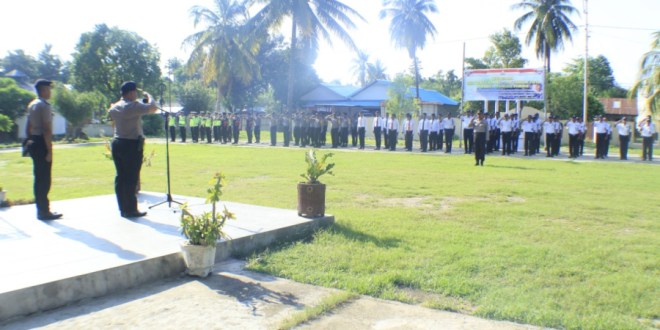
x: 248, y: 293
x: 95, y: 242
x: 162, y: 228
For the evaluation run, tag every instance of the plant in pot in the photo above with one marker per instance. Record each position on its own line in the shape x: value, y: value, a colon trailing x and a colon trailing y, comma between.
x: 311, y: 194
x: 202, y: 231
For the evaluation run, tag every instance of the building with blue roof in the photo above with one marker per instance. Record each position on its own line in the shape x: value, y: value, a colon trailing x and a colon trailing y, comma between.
x: 370, y: 98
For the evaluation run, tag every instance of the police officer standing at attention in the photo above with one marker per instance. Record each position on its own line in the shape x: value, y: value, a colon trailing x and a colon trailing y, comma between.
x: 480, y: 126
x: 171, y: 123
x: 448, y: 128
x: 378, y: 126
x: 127, y: 146
x: 468, y: 132
x: 39, y: 129
x: 423, y: 132
x: 624, y: 129
x: 361, y: 126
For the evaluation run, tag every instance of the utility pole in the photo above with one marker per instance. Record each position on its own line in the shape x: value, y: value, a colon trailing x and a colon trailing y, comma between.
x: 585, y: 102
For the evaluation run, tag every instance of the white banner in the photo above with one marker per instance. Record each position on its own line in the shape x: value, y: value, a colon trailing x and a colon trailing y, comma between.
x: 504, y: 84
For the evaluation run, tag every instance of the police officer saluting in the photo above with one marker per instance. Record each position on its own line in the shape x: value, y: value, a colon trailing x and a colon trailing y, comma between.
x: 127, y: 146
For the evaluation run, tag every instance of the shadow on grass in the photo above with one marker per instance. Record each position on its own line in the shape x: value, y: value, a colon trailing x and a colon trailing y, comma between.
x: 524, y: 168
x: 352, y: 234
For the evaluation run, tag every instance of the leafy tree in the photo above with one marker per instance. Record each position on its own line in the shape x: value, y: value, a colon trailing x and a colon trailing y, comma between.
x: 409, y: 27
x: 76, y: 108
x: 601, y: 76
x: 310, y: 19
x: 475, y: 63
x: 648, y: 82
x: 399, y: 98
x: 550, y: 25
x: 505, y: 51
x: 19, y: 60
x: 448, y: 84
x: 376, y: 71
x: 13, y: 99
x: 50, y: 66
x: 361, y: 67
x: 196, y: 96
x: 567, y: 94
x: 224, y: 51
x: 5, y: 124
x: 105, y: 58
x: 153, y: 124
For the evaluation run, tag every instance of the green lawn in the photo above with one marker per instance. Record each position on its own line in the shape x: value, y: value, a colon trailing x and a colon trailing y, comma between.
x: 553, y: 243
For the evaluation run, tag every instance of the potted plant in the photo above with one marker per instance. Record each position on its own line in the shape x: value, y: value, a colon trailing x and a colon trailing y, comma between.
x: 202, y: 231
x: 311, y: 194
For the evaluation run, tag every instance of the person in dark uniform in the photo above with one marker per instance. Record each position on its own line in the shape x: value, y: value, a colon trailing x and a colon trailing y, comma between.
x: 324, y: 130
x: 468, y: 133
x: 354, y: 131
x: 393, y: 132
x: 361, y: 126
x: 334, y: 129
x: 423, y: 133
x: 249, y: 127
x: 448, y: 128
x: 257, y: 128
x: 217, y: 123
x: 194, y: 127
x: 236, y: 126
x: 127, y: 146
x: 344, y: 124
x: 285, y: 122
x: 39, y: 129
x: 408, y: 132
x: 297, y: 126
x: 171, y: 124
x: 225, y: 129
x: 202, y: 126
x: 182, y: 126
x: 378, y: 126
x: 480, y: 126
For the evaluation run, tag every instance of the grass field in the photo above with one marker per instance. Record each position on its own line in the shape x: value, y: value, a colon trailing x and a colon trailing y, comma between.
x: 554, y: 243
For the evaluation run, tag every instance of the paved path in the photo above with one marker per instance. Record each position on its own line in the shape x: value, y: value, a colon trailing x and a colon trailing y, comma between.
x: 233, y: 298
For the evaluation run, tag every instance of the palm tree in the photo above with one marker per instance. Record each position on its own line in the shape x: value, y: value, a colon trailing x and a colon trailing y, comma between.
x: 223, y: 52
x: 648, y: 83
x: 410, y: 26
x: 551, y: 25
x: 376, y: 71
x: 310, y: 19
x: 361, y: 67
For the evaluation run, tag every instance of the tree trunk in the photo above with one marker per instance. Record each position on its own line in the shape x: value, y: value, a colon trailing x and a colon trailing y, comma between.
x: 292, y: 55
x: 416, y: 64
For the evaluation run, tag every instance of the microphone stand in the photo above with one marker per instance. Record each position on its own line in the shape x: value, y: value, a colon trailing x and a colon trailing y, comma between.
x: 169, y: 199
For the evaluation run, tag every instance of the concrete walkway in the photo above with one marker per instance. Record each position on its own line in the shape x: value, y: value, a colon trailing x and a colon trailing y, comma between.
x: 92, y: 251
x: 233, y: 298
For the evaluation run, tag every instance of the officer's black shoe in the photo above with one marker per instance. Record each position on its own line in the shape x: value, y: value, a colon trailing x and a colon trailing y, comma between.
x: 136, y: 214
x: 49, y: 216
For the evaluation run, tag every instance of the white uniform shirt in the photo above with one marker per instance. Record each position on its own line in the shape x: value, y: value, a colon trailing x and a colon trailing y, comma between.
x: 528, y: 127
x: 465, y: 121
x: 647, y: 130
x: 601, y: 127
x: 377, y: 122
x: 448, y: 123
x: 623, y: 129
x: 424, y: 125
x: 393, y: 124
x: 506, y: 125
x: 573, y: 127
x: 549, y: 127
x: 408, y: 125
x: 435, y: 125
x: 361, y: 121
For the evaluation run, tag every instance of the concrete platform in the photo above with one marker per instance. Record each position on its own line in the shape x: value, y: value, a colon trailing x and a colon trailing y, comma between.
x: 92, y: 251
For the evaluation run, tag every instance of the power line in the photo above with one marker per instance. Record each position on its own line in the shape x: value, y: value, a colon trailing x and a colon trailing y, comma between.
x: 622, y: 27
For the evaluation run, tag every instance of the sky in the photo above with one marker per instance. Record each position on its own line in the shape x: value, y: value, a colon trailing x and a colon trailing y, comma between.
x: 619, y: 30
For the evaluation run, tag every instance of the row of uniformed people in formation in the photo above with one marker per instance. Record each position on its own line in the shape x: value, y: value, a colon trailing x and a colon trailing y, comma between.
x: 310, y: 129
x: 603, y: 132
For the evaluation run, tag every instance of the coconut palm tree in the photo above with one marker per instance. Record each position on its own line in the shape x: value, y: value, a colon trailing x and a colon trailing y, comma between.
x: 376, y: 71
x: 224, y: 52
x: 409, y: 26
x: 310, y: 20
x: 361, y: 67
x: 648, y: 83
x: 550, y: 25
